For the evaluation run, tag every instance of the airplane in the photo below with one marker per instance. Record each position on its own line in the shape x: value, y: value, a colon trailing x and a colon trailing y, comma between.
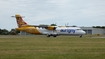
x: 47, y: 30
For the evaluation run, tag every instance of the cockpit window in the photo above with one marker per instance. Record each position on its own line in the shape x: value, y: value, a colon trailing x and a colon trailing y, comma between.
x: 78, y: 29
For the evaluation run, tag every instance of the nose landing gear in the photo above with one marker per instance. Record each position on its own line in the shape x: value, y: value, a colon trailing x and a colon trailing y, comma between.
x: 80, y: 36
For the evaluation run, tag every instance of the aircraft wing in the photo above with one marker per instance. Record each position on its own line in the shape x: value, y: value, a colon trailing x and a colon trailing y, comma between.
x: 45, y: 26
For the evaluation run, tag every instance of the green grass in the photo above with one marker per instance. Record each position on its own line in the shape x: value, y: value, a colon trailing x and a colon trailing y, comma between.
x: 41, y: 47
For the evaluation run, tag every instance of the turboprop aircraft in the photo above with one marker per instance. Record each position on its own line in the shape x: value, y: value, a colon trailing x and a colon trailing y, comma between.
x: 47, y: 30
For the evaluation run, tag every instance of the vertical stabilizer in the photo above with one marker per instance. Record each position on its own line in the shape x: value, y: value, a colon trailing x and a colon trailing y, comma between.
x: 20, y: 21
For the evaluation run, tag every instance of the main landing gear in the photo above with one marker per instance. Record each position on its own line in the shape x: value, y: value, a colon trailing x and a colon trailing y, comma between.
x: 51, y: 35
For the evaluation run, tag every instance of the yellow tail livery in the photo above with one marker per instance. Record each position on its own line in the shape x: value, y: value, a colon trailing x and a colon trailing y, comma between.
x: 20, y: 21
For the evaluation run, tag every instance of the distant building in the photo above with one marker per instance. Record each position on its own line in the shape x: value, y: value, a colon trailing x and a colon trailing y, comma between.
x: 92, y: 31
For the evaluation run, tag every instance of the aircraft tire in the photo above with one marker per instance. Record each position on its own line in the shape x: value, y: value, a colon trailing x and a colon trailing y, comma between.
x: 48, y: 35
x: 80, y: 36
x: 54, y: 36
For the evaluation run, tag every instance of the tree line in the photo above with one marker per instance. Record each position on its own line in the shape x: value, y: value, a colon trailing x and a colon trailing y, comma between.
x: 11, y: 32
x: 103, y: 27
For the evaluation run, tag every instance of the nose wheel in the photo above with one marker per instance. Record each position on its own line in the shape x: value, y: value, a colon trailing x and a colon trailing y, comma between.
x: 80, y: 36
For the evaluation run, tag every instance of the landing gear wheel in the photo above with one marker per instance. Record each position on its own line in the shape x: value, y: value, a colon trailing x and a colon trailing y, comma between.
x: 48, y: 35
x: 54, y: 36
x: 80, y: 36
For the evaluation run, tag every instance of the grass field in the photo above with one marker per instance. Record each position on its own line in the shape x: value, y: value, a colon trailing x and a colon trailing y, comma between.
x: 41, y: 47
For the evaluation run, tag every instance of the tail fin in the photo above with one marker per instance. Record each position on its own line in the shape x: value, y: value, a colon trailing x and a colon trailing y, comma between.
x: 20, y: 21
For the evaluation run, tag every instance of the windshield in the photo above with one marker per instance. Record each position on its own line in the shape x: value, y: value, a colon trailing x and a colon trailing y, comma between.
x: 78, y: 29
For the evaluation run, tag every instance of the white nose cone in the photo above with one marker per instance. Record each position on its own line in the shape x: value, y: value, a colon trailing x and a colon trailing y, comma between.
x: 83, y: 32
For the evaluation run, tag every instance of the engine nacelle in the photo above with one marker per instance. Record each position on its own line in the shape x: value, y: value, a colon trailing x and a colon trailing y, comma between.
x: 51, y: 28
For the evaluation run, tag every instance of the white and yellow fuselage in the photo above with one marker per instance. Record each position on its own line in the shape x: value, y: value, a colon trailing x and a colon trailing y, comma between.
x: 49, y: 30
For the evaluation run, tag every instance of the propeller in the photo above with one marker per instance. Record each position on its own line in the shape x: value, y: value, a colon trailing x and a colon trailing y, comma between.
x: 18, y: 16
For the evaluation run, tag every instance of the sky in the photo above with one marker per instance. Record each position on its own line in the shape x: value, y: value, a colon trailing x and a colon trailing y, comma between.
x: 72, y: 12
